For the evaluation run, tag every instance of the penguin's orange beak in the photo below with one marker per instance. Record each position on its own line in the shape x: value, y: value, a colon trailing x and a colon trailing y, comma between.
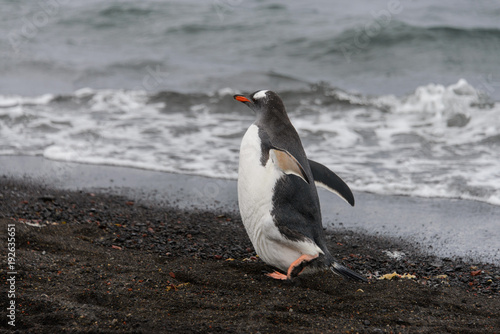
x: 247, y: 101
x: 241, y: 98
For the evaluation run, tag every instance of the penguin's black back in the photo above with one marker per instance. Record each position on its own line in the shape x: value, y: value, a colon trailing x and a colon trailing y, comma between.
x: 296, y: 208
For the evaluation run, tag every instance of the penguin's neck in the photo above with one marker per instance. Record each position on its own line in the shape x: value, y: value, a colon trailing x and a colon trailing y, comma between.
x: 276, y: 125
x: 273, y: 117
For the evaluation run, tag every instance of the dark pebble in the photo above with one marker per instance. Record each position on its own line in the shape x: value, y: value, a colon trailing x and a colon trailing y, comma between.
x: 47, y: 198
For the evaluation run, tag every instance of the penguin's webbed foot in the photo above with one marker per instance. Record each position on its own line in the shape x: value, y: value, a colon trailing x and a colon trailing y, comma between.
x: 295, y: 268
x: 278, y: 275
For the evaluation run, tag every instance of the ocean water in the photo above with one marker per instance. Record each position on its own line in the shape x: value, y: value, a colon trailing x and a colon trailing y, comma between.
x: 397, y: 97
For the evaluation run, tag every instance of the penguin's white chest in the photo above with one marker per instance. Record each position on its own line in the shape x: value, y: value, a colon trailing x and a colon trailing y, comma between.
x: 256, y: 184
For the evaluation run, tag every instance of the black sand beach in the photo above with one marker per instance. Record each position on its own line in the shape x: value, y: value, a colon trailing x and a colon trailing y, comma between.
x: 96, y: 262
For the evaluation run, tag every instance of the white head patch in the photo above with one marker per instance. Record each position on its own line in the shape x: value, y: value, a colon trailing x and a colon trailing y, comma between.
x: 260, y: 94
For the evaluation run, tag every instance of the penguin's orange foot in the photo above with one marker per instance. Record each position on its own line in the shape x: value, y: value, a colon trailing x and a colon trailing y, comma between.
x: 277, y: 275
x: 295, y: 268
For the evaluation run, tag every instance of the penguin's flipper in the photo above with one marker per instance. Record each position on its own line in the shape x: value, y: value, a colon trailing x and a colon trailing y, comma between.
x: 325, y: 178
x: 287, y: 163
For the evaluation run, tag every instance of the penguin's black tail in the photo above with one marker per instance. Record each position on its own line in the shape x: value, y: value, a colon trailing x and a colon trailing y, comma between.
x: 345, y: 272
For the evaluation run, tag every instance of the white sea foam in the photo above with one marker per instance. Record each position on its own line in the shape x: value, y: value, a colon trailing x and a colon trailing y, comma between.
x: 437, y: 142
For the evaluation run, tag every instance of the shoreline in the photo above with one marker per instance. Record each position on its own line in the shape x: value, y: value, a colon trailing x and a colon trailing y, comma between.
x: 101, y: 262
x: 452, y: 228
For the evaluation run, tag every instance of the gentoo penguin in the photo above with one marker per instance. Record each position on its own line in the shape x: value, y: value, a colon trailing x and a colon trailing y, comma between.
x: 277, y: 193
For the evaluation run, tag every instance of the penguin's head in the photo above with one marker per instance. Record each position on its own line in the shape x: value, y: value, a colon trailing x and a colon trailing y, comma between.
x: 262, y: 102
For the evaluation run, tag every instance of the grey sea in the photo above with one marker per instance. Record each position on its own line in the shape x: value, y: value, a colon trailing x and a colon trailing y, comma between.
x: 398, y: 97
